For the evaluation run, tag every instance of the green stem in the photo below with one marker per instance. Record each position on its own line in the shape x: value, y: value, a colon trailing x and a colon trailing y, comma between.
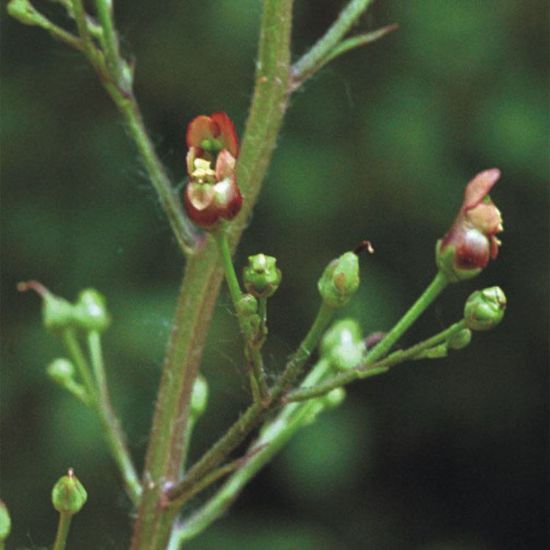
x: 62, y: 531
x: 109, y: 40
x: 75, y: 352
x: 296, y: 364
x: 229, y: 270
x: 434, y: 289
x: 254, y: 415
x: 314, y: 59
x: 82, y: 25
x: 373, y: 369
x: 182, y: 227
x: 110, y: 422
x: 258, y: 384
x: 274, y: 435
x: 203, y: 277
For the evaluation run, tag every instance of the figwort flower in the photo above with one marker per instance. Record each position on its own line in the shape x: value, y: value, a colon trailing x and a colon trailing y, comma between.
x: 212, y: 193
x: 471, y: 241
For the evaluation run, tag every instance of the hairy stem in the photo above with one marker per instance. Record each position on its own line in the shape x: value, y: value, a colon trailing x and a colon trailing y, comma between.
x: 274, y: 435
x: 203, y: 277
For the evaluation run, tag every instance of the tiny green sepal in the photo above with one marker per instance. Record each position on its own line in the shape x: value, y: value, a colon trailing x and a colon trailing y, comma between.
x: 68, y: 494
x: 91, y: 311
x: 261, y: 276
x: 5, y: 522
x: 460, y: 339
x: 485, y: 309
x: 340, y: 280
x: 199, y: 397
x: 57, y: 313
x: 343, y: 345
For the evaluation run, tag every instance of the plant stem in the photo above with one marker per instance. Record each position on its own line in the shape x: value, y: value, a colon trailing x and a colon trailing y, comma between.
x: 296, y: 364
x: 258, y: 384
x: 255, y: 414
x: 438, y: 284
x: 373, y: 369
x: 203, y: 277
x: 314, y: 59
x: 62, y: 531
x: 110, y: 422
x: 109, y: 39
x: 73, y: 348
x: 274, y: 435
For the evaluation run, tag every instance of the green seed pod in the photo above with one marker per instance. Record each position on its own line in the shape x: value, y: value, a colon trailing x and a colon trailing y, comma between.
x: 261, y: 276
x: 342, y: 345
x: 5, y: 522
x: 484, y: 309
x: 199, y: 397
x: 68, y: 494
x: 340, y: 280
x: 460, y: 339
x: 91, y: 311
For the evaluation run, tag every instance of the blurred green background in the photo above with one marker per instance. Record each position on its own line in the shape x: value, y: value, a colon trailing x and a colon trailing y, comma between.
x: 446, y: 455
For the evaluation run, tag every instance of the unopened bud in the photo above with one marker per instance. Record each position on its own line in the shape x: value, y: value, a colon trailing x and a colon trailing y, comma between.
x: 342, y: 345
x: 460, y: 339
x: 61, y: 370
x: 334, y: 398
x: 25, y: 13
x: 68, y: 494
x: 484, y: 309
x: 340, y: 280
x: 91, y: 311
x: 5, y: 522
x: 57, y: 313
x: 261, y: 276
x: 199, y: 397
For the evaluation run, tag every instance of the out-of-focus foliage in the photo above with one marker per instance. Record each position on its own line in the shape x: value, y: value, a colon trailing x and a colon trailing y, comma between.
x: 441, y: 455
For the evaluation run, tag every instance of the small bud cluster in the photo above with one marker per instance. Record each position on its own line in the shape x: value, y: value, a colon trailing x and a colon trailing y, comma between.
x: 88, y: 313
x: 212, y: 193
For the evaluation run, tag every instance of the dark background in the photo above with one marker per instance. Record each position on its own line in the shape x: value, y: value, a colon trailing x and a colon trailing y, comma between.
x: 442, y: 455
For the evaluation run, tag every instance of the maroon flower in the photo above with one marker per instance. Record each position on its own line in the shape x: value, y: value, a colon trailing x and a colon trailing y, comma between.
x: 212, y: 193
x: 471, y: 241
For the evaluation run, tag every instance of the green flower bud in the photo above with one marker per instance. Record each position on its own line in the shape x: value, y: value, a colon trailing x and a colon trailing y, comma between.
x: 61, y: 370
x: 247, y: 305
x: 5, y: 522
x: 91, y: 311
x: 199, y: 397
x: 460, y: 339
x: 340, y: 280
x: 68, y: 494
x: 334, y: 398
x: 342, y: 345
x: 57, y: 313
x: 25, y: 13
x: 261, y: 276
x: 484, y: 309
